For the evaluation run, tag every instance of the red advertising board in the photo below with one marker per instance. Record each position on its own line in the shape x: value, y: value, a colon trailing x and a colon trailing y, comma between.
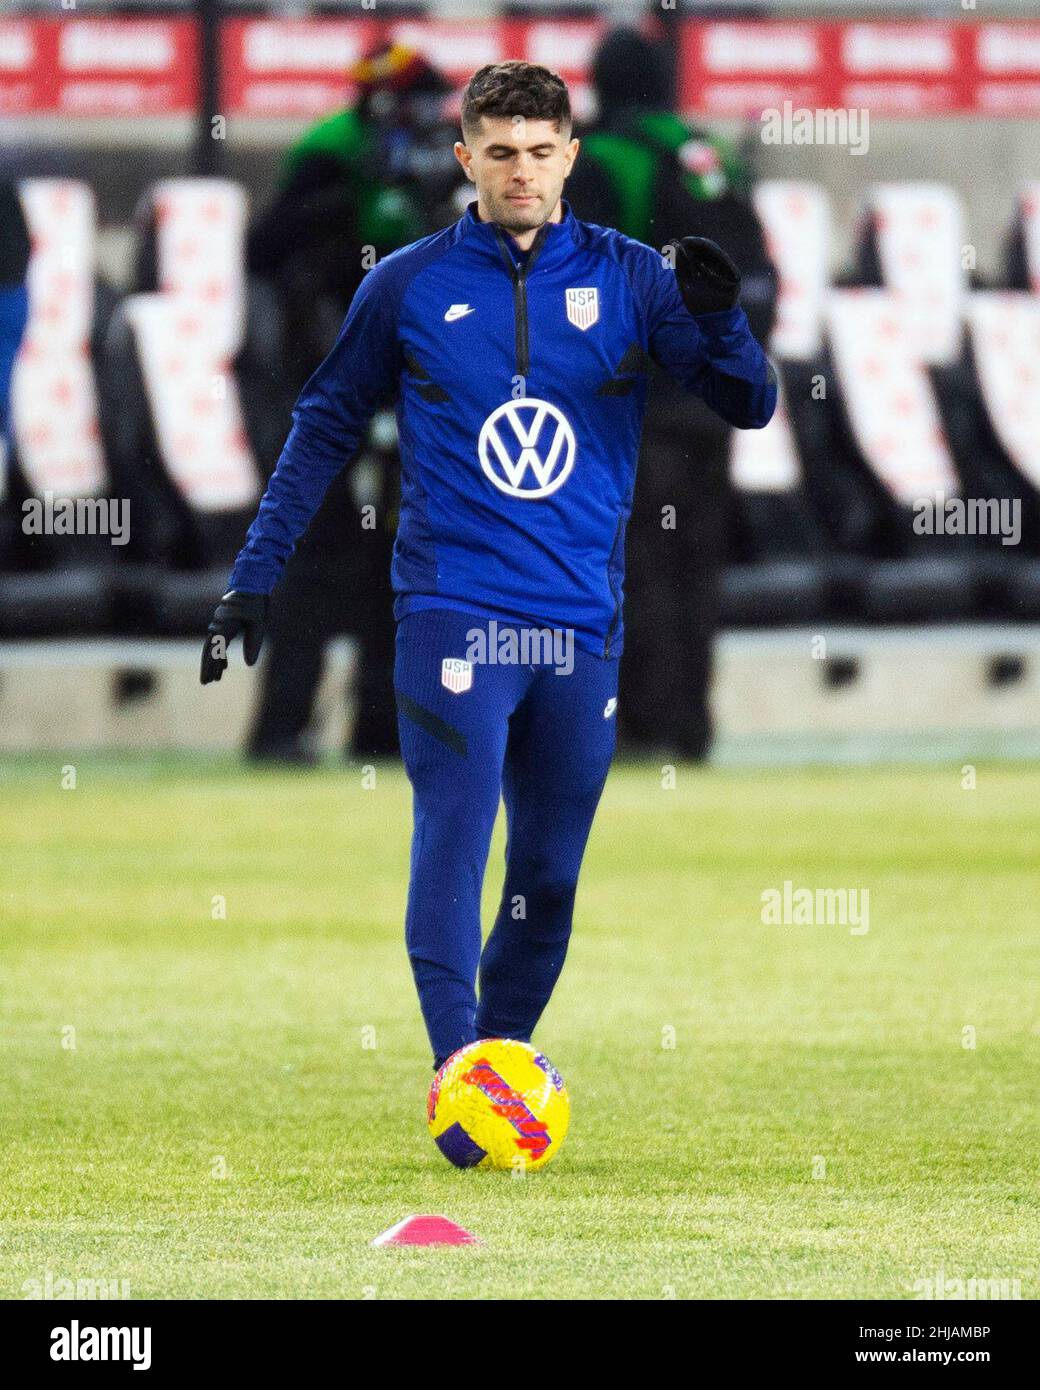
x: 906, y: 68
x: 290, y: 67
x: 98, y: 67
x: 1007, y: 69
x: 24, y: 66
x: 297, y: 68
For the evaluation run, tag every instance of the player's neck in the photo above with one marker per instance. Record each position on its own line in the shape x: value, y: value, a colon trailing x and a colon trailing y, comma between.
x: 525, y: 239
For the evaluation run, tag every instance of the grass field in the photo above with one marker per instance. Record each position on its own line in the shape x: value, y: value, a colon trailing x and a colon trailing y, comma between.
x: 819, y: 1128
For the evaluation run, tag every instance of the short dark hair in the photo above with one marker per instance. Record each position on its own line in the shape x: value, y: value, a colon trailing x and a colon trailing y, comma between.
x: 515, y: 88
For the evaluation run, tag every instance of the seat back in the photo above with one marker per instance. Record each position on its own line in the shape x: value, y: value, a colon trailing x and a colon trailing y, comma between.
x: 1028, y: 210
x: 1005, y: 338
x: 889, y: 400
x: 918, y: 234
x: 186, y: 337
x: 796, y: 219
x: 200, y: 230
x: 194, y: 406
x: 54, y: 409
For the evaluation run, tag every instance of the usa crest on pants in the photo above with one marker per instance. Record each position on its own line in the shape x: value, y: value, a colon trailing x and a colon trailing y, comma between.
x: 583, y: 306
x: 456, y: 674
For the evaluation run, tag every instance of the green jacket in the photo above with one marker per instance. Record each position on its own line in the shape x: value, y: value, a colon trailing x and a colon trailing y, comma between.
x: 343, y: 144
x: 626, y: 151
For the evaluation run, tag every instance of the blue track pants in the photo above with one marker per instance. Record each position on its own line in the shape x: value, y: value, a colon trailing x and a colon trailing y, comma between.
x: 538, y: 733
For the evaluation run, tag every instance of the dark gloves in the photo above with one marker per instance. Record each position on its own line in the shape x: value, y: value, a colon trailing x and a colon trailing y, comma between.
x: 235, y: 613
x: 708, y: 280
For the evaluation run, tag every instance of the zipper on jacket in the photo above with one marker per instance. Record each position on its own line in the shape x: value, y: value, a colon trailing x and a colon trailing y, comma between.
x: 617, y: 600
x: 518, y: 275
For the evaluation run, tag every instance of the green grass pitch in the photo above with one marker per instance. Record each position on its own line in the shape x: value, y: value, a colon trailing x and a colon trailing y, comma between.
x: 189, y: 1103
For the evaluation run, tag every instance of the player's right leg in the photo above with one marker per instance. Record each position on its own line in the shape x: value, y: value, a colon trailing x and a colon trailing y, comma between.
x: 453, y: 744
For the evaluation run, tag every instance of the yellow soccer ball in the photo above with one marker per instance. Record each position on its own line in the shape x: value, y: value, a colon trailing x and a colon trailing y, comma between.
x: 498, y: 1104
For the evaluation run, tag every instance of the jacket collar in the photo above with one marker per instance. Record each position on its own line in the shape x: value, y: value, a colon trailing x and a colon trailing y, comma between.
x: 553, y: 238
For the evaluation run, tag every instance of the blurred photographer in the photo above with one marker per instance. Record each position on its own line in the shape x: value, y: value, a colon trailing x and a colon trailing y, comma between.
x: 654, y: 176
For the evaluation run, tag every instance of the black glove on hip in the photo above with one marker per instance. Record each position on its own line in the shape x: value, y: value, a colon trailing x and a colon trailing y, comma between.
x: 235, y: 613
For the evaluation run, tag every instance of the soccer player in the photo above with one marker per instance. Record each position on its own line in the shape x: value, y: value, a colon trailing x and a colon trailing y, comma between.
x: 516, y: 344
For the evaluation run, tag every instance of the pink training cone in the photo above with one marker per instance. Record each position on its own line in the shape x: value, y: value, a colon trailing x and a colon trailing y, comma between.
x: 426, y: 1230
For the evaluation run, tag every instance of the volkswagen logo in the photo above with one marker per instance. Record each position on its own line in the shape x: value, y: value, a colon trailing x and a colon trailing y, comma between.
x: 526, y: 448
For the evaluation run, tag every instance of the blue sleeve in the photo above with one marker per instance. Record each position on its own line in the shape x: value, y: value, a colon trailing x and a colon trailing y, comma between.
x: 716, y: 356
x: 14, y: 315
x: 330, y: 421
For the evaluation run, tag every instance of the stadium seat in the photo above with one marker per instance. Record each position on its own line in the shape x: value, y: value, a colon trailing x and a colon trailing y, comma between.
x: 1004, y: 329
x: 1005, y: 336
x: 797, y: 221
x: 782, y: 575
x: 797, y: 574
x: 897, y: 438
x: 1023, y: 250
x: 887, y: 394
x: 911, y: 242
x: 192, y: 248
x: 183, y: 446
x: 61, y: 584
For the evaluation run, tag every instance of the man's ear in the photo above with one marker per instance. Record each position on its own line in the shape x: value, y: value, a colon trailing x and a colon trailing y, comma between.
x: 465, y: 157
x: 572, y: 154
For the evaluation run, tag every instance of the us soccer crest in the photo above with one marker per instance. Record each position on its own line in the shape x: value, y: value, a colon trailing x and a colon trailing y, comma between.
x: 456, y: 674
x: 583, y: 306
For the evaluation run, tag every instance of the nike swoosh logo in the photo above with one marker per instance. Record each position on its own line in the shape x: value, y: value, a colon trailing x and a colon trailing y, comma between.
x: 457, y: 311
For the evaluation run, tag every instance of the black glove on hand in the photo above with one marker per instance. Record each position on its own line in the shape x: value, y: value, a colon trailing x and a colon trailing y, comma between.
x: 235, y: 613
x: 708, y: 280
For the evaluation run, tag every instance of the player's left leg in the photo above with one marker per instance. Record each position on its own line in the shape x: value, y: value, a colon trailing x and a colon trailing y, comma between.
x: 561, y: 740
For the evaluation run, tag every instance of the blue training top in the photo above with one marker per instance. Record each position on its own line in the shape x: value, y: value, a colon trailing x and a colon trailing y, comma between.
x: 521, y: 386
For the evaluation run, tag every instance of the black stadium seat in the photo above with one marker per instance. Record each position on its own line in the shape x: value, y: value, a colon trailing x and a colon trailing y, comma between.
x: 784, y: 570
x: 53, y: 583
x: 1022, y: 256
x: 782, y: 574
x: 888, y: 429
x: 911, y: 243
x: 181, y: 444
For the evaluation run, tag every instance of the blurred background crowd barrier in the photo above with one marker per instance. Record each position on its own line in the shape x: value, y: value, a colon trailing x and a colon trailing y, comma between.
x: 879, y: 566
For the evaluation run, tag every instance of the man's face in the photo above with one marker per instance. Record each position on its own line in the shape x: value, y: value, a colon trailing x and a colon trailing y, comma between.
x: 519, y: 167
